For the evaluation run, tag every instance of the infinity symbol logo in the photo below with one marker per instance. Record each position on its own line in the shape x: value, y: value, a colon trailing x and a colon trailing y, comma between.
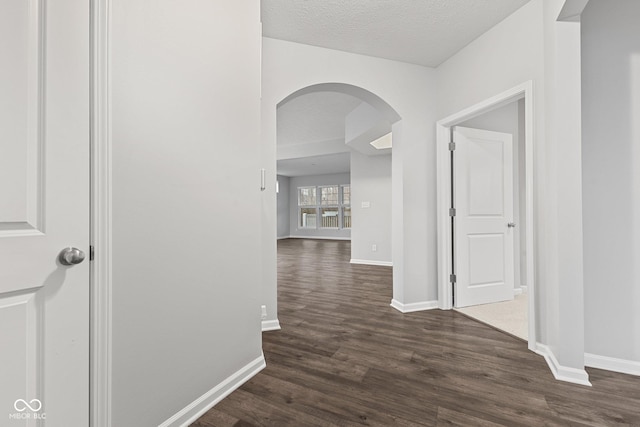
x: 21, y: 405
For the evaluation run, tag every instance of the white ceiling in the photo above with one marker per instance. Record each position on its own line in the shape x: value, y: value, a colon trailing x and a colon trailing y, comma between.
x: 315, y: 165
x: 424, y: 32
x: 307, y: 120
x: 314, y: 117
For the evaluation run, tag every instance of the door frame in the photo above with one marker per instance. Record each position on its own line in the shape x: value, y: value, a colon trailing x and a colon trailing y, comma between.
x: 100, y: 352
x: 443, y: 192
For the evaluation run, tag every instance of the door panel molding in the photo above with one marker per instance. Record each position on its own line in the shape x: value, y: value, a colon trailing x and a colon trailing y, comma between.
x: 23, y: 214
x: 22, y: 367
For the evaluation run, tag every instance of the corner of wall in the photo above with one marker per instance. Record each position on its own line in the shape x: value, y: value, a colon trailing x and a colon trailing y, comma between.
x: 270, y: 325
x: 562, y: 373
x: 415, y: 306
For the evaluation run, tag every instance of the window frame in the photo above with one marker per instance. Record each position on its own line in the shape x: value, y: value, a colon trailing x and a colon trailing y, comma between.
x: 339, y: 206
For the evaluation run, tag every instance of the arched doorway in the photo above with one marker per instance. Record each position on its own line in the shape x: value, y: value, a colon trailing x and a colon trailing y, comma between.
x: 371, y: 118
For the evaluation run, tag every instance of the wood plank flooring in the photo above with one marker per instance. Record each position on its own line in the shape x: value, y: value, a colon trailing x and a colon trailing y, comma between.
x: 344, y: 357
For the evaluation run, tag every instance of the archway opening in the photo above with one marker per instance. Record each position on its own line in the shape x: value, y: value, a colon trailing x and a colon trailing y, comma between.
x: 334, y: 169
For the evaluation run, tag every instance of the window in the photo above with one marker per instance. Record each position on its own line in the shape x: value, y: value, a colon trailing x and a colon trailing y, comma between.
x: 346, y: 206
x: 329, y: 211
x: 329, y: 195
x: 307, y: 209
x: 307, y: 196
x: 308, y: 217
x: 325, y: 206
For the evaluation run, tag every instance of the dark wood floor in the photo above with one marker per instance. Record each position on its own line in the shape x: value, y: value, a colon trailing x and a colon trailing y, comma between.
x: 345, y: 357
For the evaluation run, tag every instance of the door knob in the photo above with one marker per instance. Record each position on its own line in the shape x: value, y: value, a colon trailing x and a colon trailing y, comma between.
x: 511, y: 225
x: 71, y: 256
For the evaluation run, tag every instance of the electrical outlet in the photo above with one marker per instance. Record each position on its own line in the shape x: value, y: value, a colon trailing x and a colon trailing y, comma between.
x: 374, y: 248
x: 264, y: 312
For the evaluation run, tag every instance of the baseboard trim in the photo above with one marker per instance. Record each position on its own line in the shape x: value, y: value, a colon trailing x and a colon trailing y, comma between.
x: 562, y: 373
x: 415, y: 306
x: 319, y: 237
x: 270, y: 325
x: 372, y: 262
x: 198, y: 407
x: 517, y: 291
x: 283, y: 237
x: 623, y: 366
x: 524, y: 288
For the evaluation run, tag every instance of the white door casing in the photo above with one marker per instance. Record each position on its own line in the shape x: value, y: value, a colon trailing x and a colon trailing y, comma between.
x: 483, y: 198
x: 44, y: 207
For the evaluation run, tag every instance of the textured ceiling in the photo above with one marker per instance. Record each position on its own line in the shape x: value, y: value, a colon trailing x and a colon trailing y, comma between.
x: 314, y: 117
x: 424, y: 32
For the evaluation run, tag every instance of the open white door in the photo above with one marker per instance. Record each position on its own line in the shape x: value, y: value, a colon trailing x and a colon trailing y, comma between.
x: 484, y: 229
x: 44, y: 207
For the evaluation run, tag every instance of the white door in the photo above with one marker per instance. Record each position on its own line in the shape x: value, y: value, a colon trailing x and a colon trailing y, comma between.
x: 44, y: 207
x: 484, y: 229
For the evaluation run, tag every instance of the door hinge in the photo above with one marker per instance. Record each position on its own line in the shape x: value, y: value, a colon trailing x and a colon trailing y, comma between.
x: 452, y: 211
x: 91, y: 253
x: 452, y: 278
x: 452, y: 146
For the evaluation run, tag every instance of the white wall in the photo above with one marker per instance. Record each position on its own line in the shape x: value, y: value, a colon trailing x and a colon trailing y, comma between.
x: 284, y: 216
x: 371, y: 183
x: 186, y: 183
x: 531, y: 45
x: 409, y: 89
x: 510, y: 119
x: 307, y: 181
x: 611, y: 177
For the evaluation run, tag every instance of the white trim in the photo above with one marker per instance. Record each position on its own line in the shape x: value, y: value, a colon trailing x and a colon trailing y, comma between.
x: 198, y: 407
x: 623, y: 366
x: 517, y: 291
x: 320, y: 237
x: 414, y: 306
x: 562, y: 373
x: 444, y: 244
x: 101, y: 279
x: 270, y: 325
x: 371, y: 262
x: 283, y: 237
x: 524, y: 288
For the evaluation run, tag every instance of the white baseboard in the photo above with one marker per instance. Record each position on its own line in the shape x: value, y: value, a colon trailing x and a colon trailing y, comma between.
x: 623, y: 366
x: 524, y: 288
x: 562, y: 373
x: 415, y: 306
x: 270, y: 325
x: 517, y: 291
x: 319, y: 237
x: 198, y: 407
x: 372, y: 262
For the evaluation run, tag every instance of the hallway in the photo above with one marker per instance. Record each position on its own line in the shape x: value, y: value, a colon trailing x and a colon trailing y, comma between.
x: 345, y: 357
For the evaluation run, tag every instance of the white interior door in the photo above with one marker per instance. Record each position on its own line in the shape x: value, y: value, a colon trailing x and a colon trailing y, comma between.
x: 484, y: 229
x: 44, y: 207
